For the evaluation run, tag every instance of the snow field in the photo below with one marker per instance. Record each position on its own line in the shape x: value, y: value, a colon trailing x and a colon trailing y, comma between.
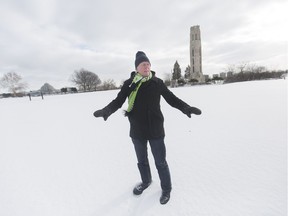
x: 57, y: 159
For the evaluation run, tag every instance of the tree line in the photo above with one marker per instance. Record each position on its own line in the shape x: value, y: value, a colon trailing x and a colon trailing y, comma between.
x: 232, y: 73
x: 248, y: 72
x: 85, y: 80
x: 177, y: 79
x: 249, y: 76
x: 88, y: 81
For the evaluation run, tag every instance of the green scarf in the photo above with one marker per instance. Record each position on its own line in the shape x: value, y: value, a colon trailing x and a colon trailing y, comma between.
x: 138, y: 80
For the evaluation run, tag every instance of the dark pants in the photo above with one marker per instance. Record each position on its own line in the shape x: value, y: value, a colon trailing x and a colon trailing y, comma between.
x: 159, y: 153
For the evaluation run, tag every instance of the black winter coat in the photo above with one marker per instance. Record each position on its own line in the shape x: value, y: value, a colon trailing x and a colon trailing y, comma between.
x: 146, y: 118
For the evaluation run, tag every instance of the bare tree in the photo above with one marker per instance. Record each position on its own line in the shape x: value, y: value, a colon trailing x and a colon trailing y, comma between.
x: 167, y: 79
x: 242, y: 67
x: 255, y: 68
x: 13, y: 82
x: 230, y: 68
x: 85, y: 80
x: 109, y: 84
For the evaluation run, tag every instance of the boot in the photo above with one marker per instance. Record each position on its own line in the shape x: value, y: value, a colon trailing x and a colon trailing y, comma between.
x: 145, y: 173
x: 165, y: 197
x: 140, y: 188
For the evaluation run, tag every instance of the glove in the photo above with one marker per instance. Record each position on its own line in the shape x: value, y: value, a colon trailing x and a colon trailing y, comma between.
x: 192, y: 110
x: 102, y: 113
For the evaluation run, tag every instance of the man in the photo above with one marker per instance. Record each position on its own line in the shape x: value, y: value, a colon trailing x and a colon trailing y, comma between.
x: 144, y: 91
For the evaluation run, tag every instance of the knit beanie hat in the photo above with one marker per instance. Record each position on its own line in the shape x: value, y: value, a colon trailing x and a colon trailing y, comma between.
x: 140, y: 57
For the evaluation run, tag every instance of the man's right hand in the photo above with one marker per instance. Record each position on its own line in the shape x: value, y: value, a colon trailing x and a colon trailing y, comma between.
x: 192, y: 110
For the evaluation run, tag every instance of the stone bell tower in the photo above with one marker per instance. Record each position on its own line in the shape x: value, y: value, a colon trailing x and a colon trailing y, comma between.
x: 196, y: 54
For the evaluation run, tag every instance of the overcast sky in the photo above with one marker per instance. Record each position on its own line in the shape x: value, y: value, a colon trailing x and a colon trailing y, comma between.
x: 47, y: 40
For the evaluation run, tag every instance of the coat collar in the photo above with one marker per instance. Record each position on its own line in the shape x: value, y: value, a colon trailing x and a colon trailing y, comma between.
x: 153, y: 74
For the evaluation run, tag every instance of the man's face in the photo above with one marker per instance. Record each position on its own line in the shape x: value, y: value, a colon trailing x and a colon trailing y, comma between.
x: 144, y: 69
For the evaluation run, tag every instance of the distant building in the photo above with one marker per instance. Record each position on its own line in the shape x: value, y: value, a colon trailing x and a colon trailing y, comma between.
x: 69, y: 90
x: 196, y: 54
x: 229, y: 74
x: 223, y: 75
x: 206, y: 78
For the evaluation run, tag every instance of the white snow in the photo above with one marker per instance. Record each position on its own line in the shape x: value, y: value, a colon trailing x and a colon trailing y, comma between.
x: 56, y: 159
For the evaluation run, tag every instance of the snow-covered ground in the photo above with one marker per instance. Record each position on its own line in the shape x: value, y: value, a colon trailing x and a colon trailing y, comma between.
x: 56, y: 159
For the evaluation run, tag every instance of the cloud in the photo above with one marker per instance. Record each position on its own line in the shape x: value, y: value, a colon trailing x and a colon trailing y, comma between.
x: 45, y: 41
